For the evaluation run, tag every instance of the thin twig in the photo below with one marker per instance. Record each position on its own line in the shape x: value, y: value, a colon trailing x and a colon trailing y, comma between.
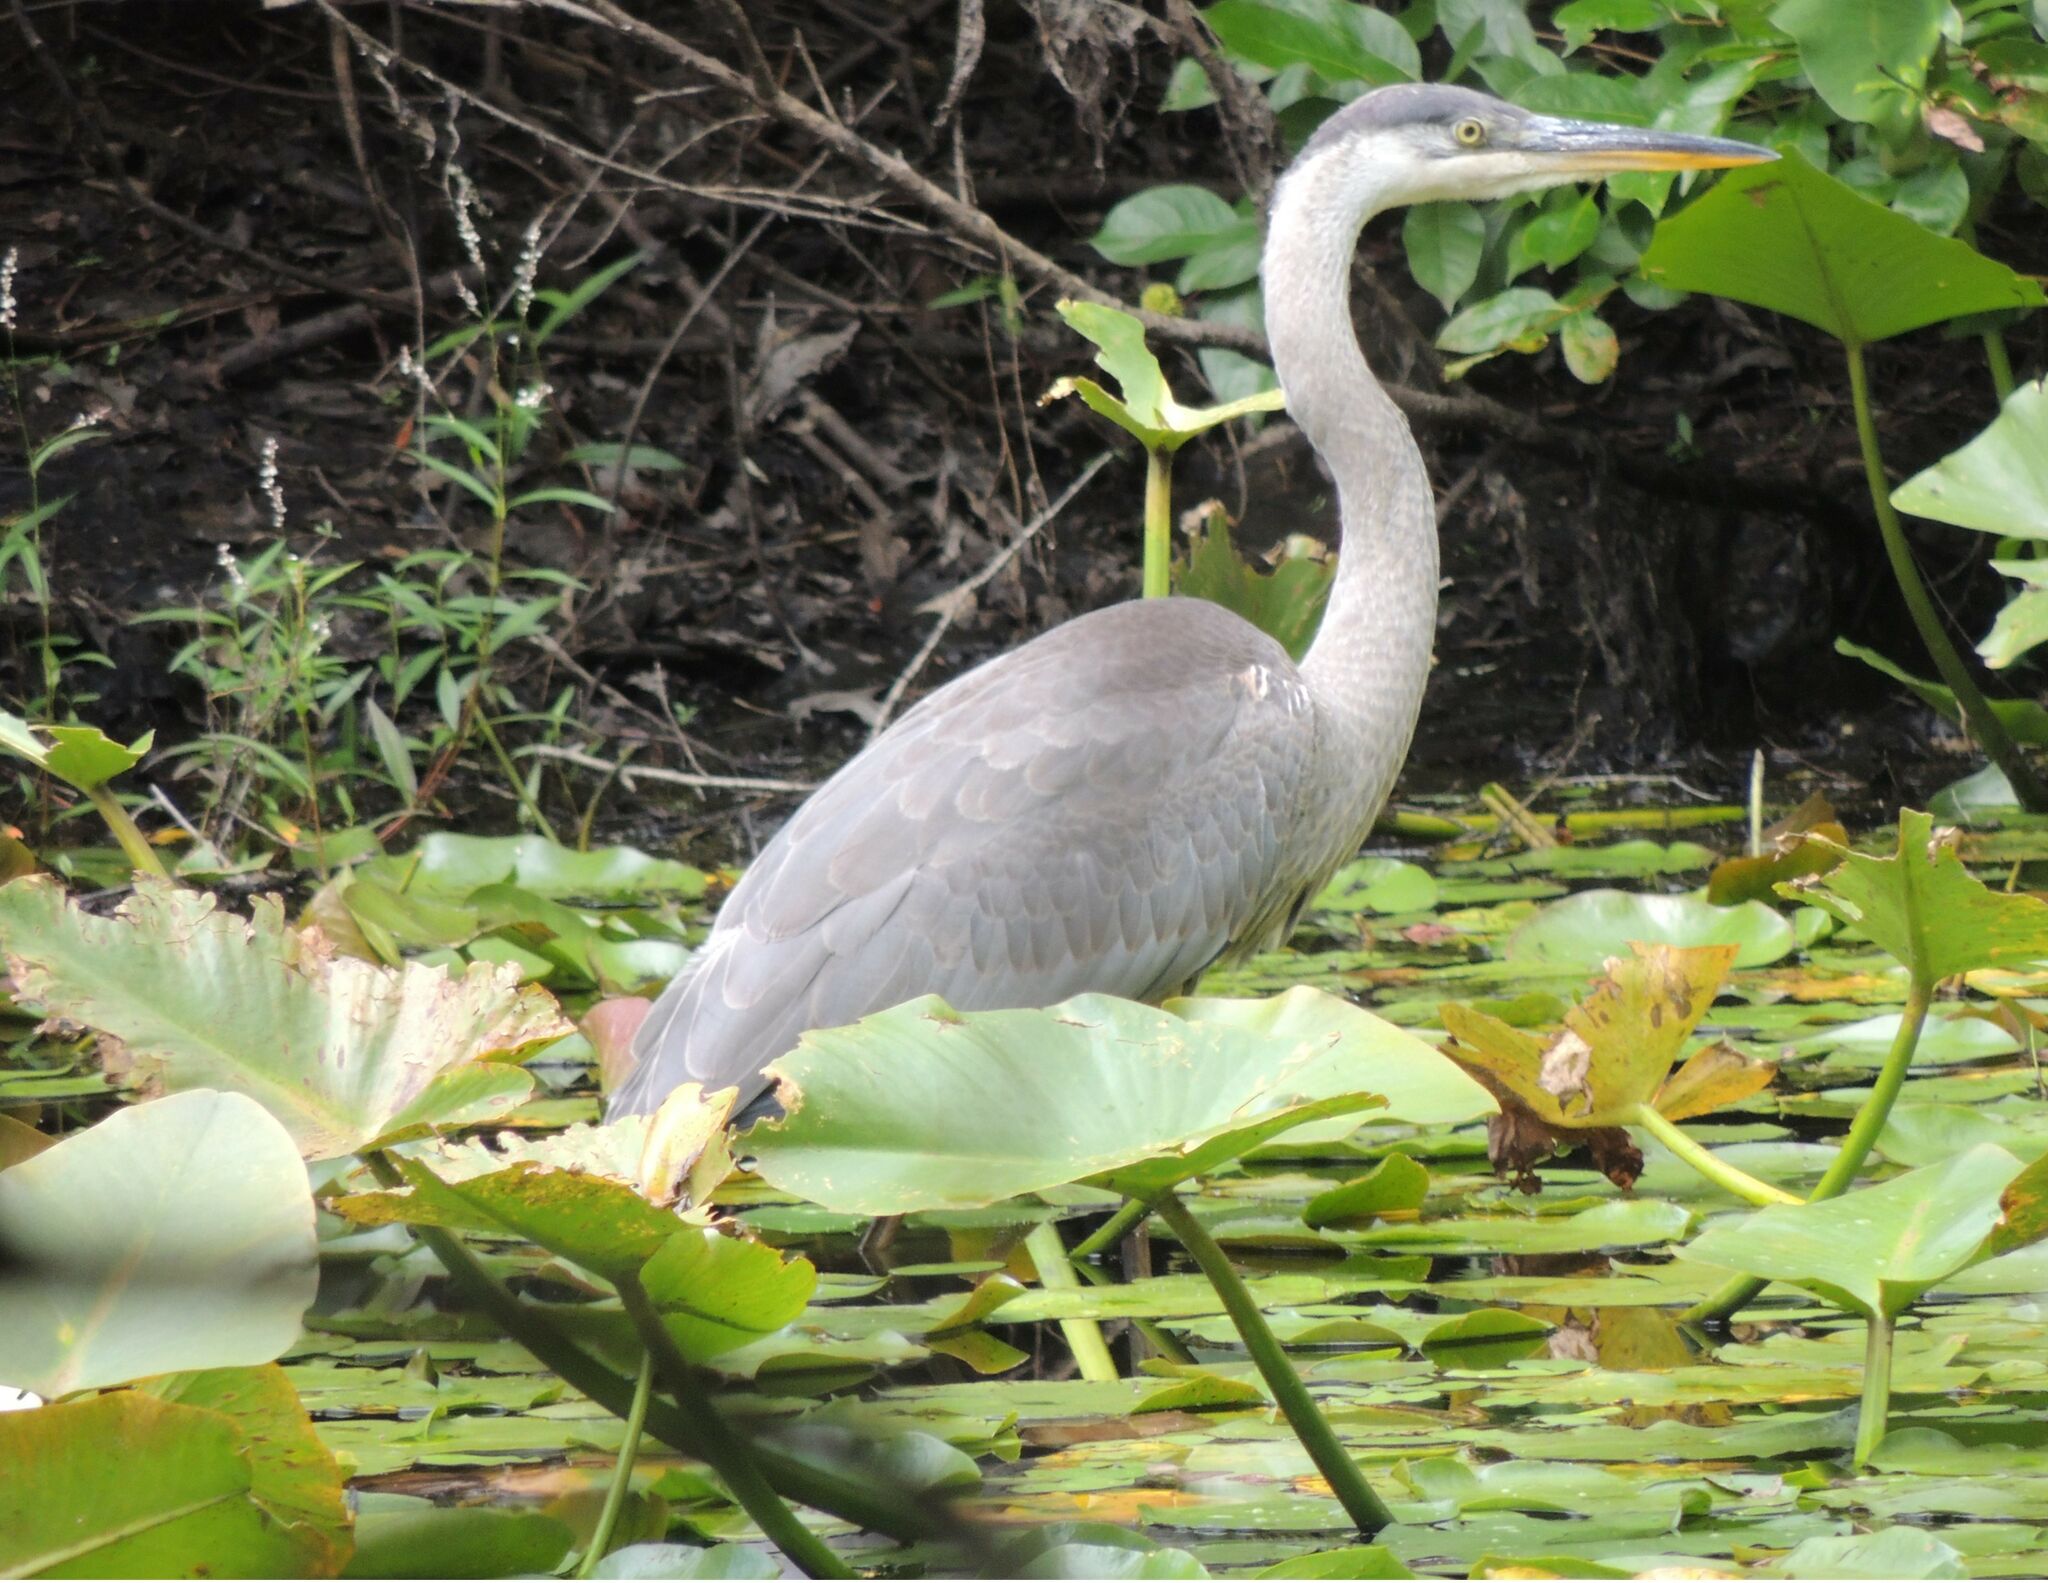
x: 627, y: 774
x: 947, y: 606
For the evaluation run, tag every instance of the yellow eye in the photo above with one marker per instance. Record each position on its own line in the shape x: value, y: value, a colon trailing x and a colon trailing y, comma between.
x: 1469, y: 132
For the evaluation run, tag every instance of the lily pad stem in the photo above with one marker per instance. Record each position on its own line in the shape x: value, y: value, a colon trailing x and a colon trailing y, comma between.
x: 855, y: 1501
x: 622, y: 1472
x: 1709, y: 1164
x: 1158, y: 521
x: 1875, y: 1406
x: 727, y: 1453
x: 1084, y: 1336
x: 1365, y: 1508
x: 1983, y: 725
x: 1862, y: 1138
x: 127, y: 834
x: 1113, y: 1230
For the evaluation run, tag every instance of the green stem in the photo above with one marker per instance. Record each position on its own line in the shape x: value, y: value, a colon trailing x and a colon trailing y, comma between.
x: 1158, y: 522
x: 1313, y: 1430
x: 1877, y: 1389
x: 1978, y: 719
x: 1856, y: 1146
x: 726, y: 1452
x: 2000, y: 364
x: 1055, y: 1273
x: 1709, y: 1164
x: 622, y: 1472
x: 127, y: 834
x: 843, y: 1497
x: 1113, y: 1230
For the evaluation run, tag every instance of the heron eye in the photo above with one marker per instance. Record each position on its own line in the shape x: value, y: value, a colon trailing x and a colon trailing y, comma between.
x: 1470, y: 133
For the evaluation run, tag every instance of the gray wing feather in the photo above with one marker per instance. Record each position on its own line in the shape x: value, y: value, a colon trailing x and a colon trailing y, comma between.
x: 1106, y: 809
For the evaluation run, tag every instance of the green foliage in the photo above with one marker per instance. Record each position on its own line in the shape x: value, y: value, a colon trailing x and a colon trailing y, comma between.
x: 177, y: 1235
x: 216, y: 1474
x: 1887, y: 97
x: 1146, y: 409
x: 1998, y: 483
x: 348, y: 1055
x: 925, y: 1107
x: 1790, y: 238
x: 1285, y: 600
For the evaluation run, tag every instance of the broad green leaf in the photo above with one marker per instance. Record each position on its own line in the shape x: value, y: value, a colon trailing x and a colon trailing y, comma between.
x: 447, y: 867
x: 1146, y: 410
x: 1998, y: 482
x: 1520, y: 317
x: 173, y: 1235
x: 1285, y: 601
x: 82, y: 756
x: 1868, y: 60
x: 2022, y: 625
x: 1378, y: 884
x: 130, y: 1484
x: 1623, y: 1223
x: 1338, y: 39
x: 1444, y: 243
x: 717, y: 1292
x: 1396, y: 1183
x: 1923, y: 907
x: 1616, y: 1047
x: 1581, y: 19
x: 923, y: 1107
x: 1590, y: 347
x: 1901, y: 1551
x: 1877, y: 1249
x: 1164, y: 223
x: 1090, y: 1550
x: 347, y: 1054
x: 1786, y: 237
x: 1582, y: 931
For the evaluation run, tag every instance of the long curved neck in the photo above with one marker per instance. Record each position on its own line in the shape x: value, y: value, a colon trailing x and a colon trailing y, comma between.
x: 1371, y: 657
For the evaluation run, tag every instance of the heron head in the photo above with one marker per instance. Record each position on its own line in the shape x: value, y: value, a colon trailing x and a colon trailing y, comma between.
x: 1425, y: 143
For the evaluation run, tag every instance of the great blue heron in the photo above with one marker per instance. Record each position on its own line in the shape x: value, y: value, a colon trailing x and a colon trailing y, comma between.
x: 1156, y: 786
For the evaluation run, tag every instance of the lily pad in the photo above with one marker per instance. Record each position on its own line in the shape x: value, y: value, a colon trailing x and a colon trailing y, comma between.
x: 174, y: 1235
x: 1875, y: 1250
x: 448, y: 867
x: 923, y: 1107
x: 347, y: 1054
x: 1397, y: 1183
x: 133, y: 1484
x: 1579, y: 933
x: 1378, y: 884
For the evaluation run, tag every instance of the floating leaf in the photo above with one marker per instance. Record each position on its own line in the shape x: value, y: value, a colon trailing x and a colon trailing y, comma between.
x: 449, y: 867
x: 1396, y: 1184
x: 1896, y: 1552
x: 923, y: 1107
x: 1877, y: 1249
x: 174, y: 1235
x: 347, y: 1054
x: 406, y: 1538
x: 228, y: 1481
x: 1785, y: 236
x: 1582, y: 931
x: 688, y: 1562
x: 1378, y: 884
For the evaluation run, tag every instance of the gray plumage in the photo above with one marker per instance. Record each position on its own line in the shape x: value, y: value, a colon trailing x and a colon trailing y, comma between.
x: 1151, y: 788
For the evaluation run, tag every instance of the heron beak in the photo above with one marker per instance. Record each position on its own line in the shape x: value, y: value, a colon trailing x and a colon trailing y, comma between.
x: 1594, y: 148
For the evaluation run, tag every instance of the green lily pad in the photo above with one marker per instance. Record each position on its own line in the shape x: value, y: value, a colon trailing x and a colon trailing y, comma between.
x: 1787, y: 237
x: 1875, y: 1250
x: 923, y: 1107
x: 405, y: 1538
x: 173, y: 1235
x: 1579, y: 933
x: 1396, y: 1183
x: 448, y: 867
x: 1899, y: 1552
x: 347, y: 1054
x: 227, y: 1482
x: 1378, y: 884
x: 688, y: 1562
x: 1628, y: 1223
x: 1351, y: 1561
